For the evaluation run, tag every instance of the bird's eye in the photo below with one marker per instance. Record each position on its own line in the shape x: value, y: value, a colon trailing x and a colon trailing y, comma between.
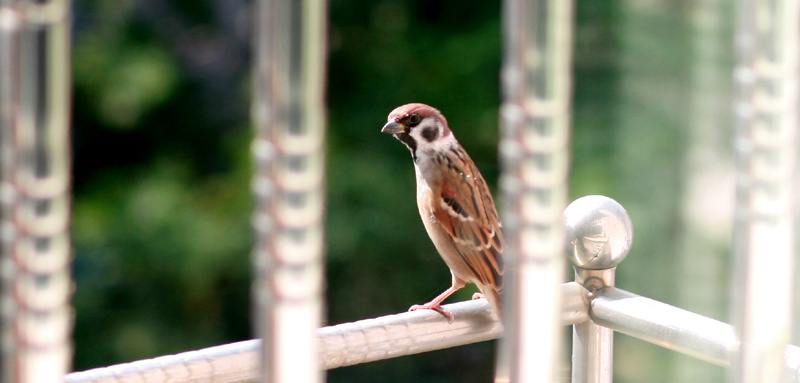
x: 414, y: 119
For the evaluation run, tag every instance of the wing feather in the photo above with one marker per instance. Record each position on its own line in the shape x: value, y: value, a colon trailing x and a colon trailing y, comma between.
x: 466, y: 210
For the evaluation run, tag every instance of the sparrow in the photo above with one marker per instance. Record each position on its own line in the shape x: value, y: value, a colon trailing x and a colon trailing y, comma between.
x: 454, y: 203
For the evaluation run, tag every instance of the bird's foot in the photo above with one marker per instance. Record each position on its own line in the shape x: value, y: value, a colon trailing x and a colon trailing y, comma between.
x: 435, y: 307
x: 478, y: 296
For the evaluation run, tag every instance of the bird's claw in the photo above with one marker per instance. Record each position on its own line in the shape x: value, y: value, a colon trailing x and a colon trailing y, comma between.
x: 435, y: 307
x: 478, y: 296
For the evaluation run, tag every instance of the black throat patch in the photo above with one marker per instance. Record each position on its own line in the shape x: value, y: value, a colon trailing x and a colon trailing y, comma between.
x: 410, y: 142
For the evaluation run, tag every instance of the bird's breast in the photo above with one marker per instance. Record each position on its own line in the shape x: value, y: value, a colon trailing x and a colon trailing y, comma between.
x: 426, y: 198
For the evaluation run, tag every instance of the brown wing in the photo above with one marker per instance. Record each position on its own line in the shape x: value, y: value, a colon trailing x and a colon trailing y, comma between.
x: 465, y: 210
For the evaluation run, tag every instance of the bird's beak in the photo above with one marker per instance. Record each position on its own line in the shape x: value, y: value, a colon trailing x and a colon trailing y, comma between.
x: 393, y: 127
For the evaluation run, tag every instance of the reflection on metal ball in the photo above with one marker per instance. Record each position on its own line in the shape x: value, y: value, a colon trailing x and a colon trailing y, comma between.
x: 598, y: 232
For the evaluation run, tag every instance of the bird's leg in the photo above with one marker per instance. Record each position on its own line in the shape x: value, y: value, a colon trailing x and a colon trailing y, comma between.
x: 435, y: 304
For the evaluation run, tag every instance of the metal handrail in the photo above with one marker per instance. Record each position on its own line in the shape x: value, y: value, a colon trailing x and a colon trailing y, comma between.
x: 420, y: 331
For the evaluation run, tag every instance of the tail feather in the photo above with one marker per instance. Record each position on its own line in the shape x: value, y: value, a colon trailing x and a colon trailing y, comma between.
x: 494, y: 298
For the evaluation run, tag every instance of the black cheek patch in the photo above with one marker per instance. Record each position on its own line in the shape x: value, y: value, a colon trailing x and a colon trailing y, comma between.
x: 430, y: 133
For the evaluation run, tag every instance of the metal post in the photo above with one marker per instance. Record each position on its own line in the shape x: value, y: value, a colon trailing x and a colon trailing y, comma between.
x: 534, y: 148
x: 598, y: 237
x: 34, y: 191
x: 288, y: 115
x: 766, y: 112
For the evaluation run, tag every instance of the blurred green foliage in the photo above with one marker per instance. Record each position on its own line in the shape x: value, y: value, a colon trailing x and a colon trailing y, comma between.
x: 162, y: 167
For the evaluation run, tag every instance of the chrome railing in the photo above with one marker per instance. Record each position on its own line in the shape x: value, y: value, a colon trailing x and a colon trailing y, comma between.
x: 288, y: 185
x: 600, y: 233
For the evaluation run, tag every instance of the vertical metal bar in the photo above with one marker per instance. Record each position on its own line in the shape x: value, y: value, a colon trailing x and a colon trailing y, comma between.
x: 598, y: 234
x: 534, y: 147
x: 288, y: 115
x: 768, y: 45
x: 35, y: 190
x: 593, y: 345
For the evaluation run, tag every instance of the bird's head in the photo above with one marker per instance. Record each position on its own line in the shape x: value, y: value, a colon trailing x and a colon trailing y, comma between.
x: 422, y: 128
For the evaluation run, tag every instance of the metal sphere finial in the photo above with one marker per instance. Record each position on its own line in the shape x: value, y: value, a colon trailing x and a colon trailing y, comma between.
x: 598, y: 232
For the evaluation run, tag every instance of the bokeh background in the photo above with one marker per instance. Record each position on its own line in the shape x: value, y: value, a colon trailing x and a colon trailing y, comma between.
x: 162, y: 166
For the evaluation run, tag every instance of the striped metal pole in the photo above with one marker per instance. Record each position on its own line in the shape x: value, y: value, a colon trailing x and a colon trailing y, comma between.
x: 535, y: 118
x: 289, y: 121
x: 766, y: 114
x: 35, y: 191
